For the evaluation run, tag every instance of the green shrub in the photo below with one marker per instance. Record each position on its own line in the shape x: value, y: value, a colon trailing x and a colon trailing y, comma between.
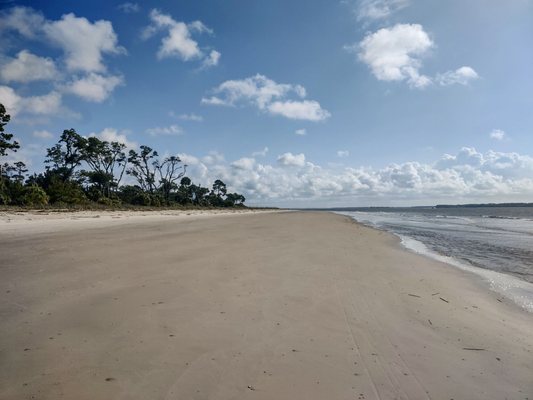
x: 134, y: 195
x: 5, y: 198
x: 66, y: 192
x: 106, y: 201
x: 33, y: 196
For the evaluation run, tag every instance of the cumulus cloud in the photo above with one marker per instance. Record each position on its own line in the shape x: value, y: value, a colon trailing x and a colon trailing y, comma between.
x: 200, y: 27
x: 48, y: 104
x: 83, y: 42
x: 113, y: 135
x: 179, y: 42
x: 300, y: 132
x: 468, y: 175
x: 27, y: 67
x: 81, y: 70
x: 94, y: 87
x: 268, y: 96
x: 461, y: 76
x: 379, y: 9
x: 23, y: 20
x: 498, y: 134
x: 396, y: 54
x: 257, y: 89
x: 172, y: 130
x: 10, y: 99
x: 245, y: 163
x: 308, y: 110
x: 212, y: 59
x: 214, y: 101
x: 214, y: 157
x: 292, y: 160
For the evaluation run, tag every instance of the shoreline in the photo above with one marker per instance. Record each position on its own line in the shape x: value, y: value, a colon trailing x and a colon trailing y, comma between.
x: 264, y: 305
x: 519, y: 291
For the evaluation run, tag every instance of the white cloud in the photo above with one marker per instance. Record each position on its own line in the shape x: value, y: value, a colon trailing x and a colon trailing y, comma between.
x: 189, y: 159
x: 498, y: 134
x: 394, y: 54
x: 83, y: 42
x: 292, y: 160
x: 172, y: 130
x: 48, y: 104
x: 10, y: 100
x: 199, y: 27
x: 214, y: 157
x: 343, y: 153
x: 179, y: 42
x: 214, y: 101
x: 308, y: 110
x: 461, y: 76
x: 268, y: 96
x: 300, y: 132
x: 257, y: 89
x: 468, y: 176
x: 129, y: 7
x: 113, y: 135
x: 24, y: 20
x: 379, y: 9
x: 43, y: 134
x: 212, y: 59
x: 245, y: 163
x: 94, y: 87
x: 27, y: 67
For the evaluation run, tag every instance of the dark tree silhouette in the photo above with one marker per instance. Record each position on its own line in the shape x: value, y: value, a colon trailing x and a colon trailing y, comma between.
x: 64, y: 157
x: 170, y: 171
x: 219, y: 188
x: 143, y: 167
x: 6, y: 140
x: 80, y: 169
x: 105, y: 159
x: 6, y: 143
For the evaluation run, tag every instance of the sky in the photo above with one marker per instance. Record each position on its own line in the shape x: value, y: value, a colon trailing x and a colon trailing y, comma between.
x: 300, y: 103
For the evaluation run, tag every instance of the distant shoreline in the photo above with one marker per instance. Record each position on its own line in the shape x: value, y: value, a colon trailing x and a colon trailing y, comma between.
x: 375, y: 208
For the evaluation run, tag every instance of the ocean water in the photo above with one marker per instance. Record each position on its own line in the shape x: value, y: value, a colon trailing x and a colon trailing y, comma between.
x: 495, y: 243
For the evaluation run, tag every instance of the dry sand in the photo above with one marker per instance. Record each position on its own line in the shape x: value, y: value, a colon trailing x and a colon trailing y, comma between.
x: 264, y: 306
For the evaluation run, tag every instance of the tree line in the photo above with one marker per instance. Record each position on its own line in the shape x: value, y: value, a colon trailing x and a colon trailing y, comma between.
x: 85, y: 171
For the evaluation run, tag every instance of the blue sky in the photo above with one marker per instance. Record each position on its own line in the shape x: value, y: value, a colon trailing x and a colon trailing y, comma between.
x: 304, y: 103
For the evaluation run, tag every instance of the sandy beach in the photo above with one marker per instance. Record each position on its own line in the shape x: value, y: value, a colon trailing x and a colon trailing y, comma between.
x: 265, y: 305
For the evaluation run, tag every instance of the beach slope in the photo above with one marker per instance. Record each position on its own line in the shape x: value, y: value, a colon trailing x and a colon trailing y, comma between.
x: 263, y: 306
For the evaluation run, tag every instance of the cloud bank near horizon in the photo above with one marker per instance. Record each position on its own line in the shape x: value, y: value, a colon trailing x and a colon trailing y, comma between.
x: 292, y: 179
